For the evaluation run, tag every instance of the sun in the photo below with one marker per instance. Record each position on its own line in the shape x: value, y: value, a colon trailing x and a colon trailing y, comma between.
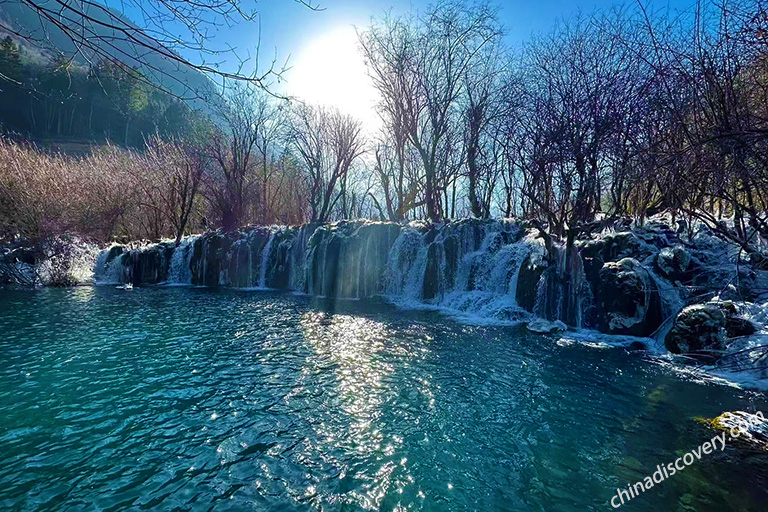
x: 330, y: 71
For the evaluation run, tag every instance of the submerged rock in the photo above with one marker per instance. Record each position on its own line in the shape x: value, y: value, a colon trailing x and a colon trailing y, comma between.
x: 705, y: 329
x: 628, y: 301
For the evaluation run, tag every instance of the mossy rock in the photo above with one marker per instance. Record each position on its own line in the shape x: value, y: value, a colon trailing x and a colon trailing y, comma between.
x: 752, y: 429
x: 705, y: 329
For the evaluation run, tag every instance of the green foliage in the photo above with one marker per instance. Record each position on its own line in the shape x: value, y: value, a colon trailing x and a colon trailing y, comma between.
x: 10, y: 59
x: 107, y: 101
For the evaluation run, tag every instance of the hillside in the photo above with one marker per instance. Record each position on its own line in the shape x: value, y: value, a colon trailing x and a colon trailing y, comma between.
x: 65, y: 99
x: 172, y: 76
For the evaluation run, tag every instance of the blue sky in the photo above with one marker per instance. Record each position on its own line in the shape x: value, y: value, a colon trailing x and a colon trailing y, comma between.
x: 325, y: 65
x: 289, y: 26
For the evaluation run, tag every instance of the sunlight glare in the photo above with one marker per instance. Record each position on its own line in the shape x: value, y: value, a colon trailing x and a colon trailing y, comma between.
x: 330, y: 71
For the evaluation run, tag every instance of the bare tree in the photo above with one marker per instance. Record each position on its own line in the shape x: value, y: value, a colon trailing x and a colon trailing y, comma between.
x: 485, y: 107
x: 179, y: 167
x: 327, y: 142
x: 271, y: 119
x: 418, y: 69
x: 231, y: 182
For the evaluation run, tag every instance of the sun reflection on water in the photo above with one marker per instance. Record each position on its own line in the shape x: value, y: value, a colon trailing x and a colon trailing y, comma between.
x: 352, y: 349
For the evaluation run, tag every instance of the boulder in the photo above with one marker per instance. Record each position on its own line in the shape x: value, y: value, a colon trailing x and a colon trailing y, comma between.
x: 699, y: 328
x: 627, y: 299
x: 673, y: 263
x: 747, y: 430
x: 705, y: 329
x: 595, y: 253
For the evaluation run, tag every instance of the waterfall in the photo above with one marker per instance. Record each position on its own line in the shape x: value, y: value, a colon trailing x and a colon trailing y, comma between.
x: 406, y: 264
x: 468, y: 267
x: 180, y: 273
x: 111, y: 266
x: 298, y: 268
x: 265, y: 261
x: 493, y: 270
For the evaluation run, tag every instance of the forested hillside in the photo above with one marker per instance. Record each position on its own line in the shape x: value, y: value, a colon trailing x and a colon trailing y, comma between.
x: 47, y: 97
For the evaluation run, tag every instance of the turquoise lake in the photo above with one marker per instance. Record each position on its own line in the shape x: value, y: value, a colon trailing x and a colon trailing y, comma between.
x: 186, y: 399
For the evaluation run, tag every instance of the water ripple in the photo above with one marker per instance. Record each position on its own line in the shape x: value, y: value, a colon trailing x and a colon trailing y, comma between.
x: 189, y: 399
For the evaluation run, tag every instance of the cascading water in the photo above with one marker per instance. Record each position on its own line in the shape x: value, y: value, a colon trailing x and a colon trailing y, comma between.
x: 406, y: 264
x: 496, y: 270
x: 179, y: 272
x: 264, y: 266
x: 468, y: 267
x: 629, y: 283
x: 111, y: 266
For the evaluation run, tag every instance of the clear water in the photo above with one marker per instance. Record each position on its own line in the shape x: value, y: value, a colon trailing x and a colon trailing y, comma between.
x: 192, y: 399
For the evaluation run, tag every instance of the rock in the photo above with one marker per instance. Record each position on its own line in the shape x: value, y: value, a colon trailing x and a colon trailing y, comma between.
x: 595, y: 253
x: 628, y: 301
x: 748, y: 429
x: 239, y: 270
x: 22, y: 255
x: 150, y: 266
x: 208, y: 258
x: 431, y: 286
x: 280, y: 274
x: 730, y: 282
x: 735, y: 325
x: 541, y: 326
x: 706, y: 329
x: 528, y: 282
x: 673, y: 263
x: 759, y: 260
x: 657, y: 233
x: 451, y: 248
x: 698, y: 328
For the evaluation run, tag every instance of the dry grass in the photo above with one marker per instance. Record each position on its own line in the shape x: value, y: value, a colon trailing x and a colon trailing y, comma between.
x: 95, y: 196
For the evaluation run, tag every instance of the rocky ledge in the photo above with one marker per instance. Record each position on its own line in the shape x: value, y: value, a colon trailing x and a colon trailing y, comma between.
x: 684, y: 286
